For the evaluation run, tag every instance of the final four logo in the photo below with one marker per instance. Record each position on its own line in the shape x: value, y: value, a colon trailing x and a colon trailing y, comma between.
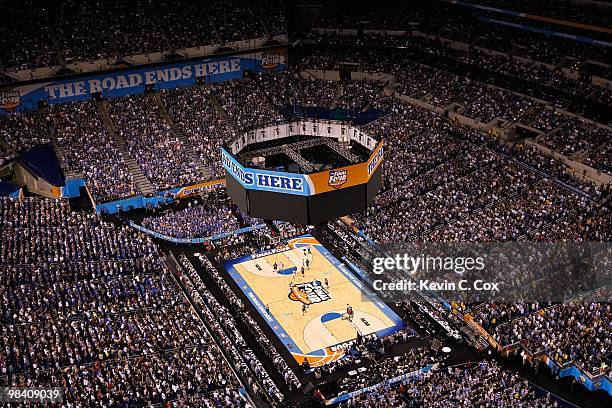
x: 270, y: 60
x: 9, y: 100
x: 309, y: 293
x: 337, y: 178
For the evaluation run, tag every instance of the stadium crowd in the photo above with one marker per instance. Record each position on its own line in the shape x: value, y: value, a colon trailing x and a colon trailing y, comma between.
x: 94, y: 308
x: 20, y: 132
x: 465, y: 72
x: 157, y: 148
x: 246, y: 105
x: 469, y: 385
x: 425, y: 199
x: 473, y: 385
x: 358, y: 96
x: 243, y: 313
x: 86, y: 147
x: 193, y: 112
x: 99, y: 314
x: 162, y: 144
x: 576, y: 331
x: 211, y: 217
x: 223, y: 325
x: 117, y: 29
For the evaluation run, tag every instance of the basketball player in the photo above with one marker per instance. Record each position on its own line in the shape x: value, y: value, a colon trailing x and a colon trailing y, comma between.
x: 326, y: 283
x: 303, y: 308
x: 349, y: 312
x: 303, y: 270
x: 275, y: 267
x: 307, y: 264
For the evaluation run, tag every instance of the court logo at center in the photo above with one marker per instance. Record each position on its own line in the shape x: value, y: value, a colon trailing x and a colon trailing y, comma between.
x: 309, y: 292
x: 337, y: 178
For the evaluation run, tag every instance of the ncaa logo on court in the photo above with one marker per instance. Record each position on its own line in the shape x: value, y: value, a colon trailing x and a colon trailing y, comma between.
x: 337, y: 178
x: 309, y: 293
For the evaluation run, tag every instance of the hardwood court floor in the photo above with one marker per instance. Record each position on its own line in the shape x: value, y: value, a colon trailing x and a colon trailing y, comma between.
x: 323, y: 323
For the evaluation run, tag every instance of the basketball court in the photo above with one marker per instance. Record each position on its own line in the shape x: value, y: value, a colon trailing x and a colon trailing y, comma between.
x: 308, y: 311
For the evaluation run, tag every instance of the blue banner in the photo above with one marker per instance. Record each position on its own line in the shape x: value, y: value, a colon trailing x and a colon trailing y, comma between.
x: 72, y: 187
x: 265, y: 180
x: 134, y: 80
x: 591, y: 383
x: 551, y: 33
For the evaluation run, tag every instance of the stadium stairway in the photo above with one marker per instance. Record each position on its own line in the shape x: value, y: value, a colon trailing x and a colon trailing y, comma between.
x: 187, y: 146
x: 69, y: 174
x: 579, y: 155
x: 286, y: 113
x: 337, y: 95
x: 143, y: 185
x: 221, y: 112
x: 56, y: 46
x: 215, y: 29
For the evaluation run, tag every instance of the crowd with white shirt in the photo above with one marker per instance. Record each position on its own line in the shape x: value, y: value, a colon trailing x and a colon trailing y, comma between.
x: 439, y: 185
x: 197, y: 220
x: 92, y: 308
x: 576, y: 331
x: 467, y: 385
x: 474, y: 385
